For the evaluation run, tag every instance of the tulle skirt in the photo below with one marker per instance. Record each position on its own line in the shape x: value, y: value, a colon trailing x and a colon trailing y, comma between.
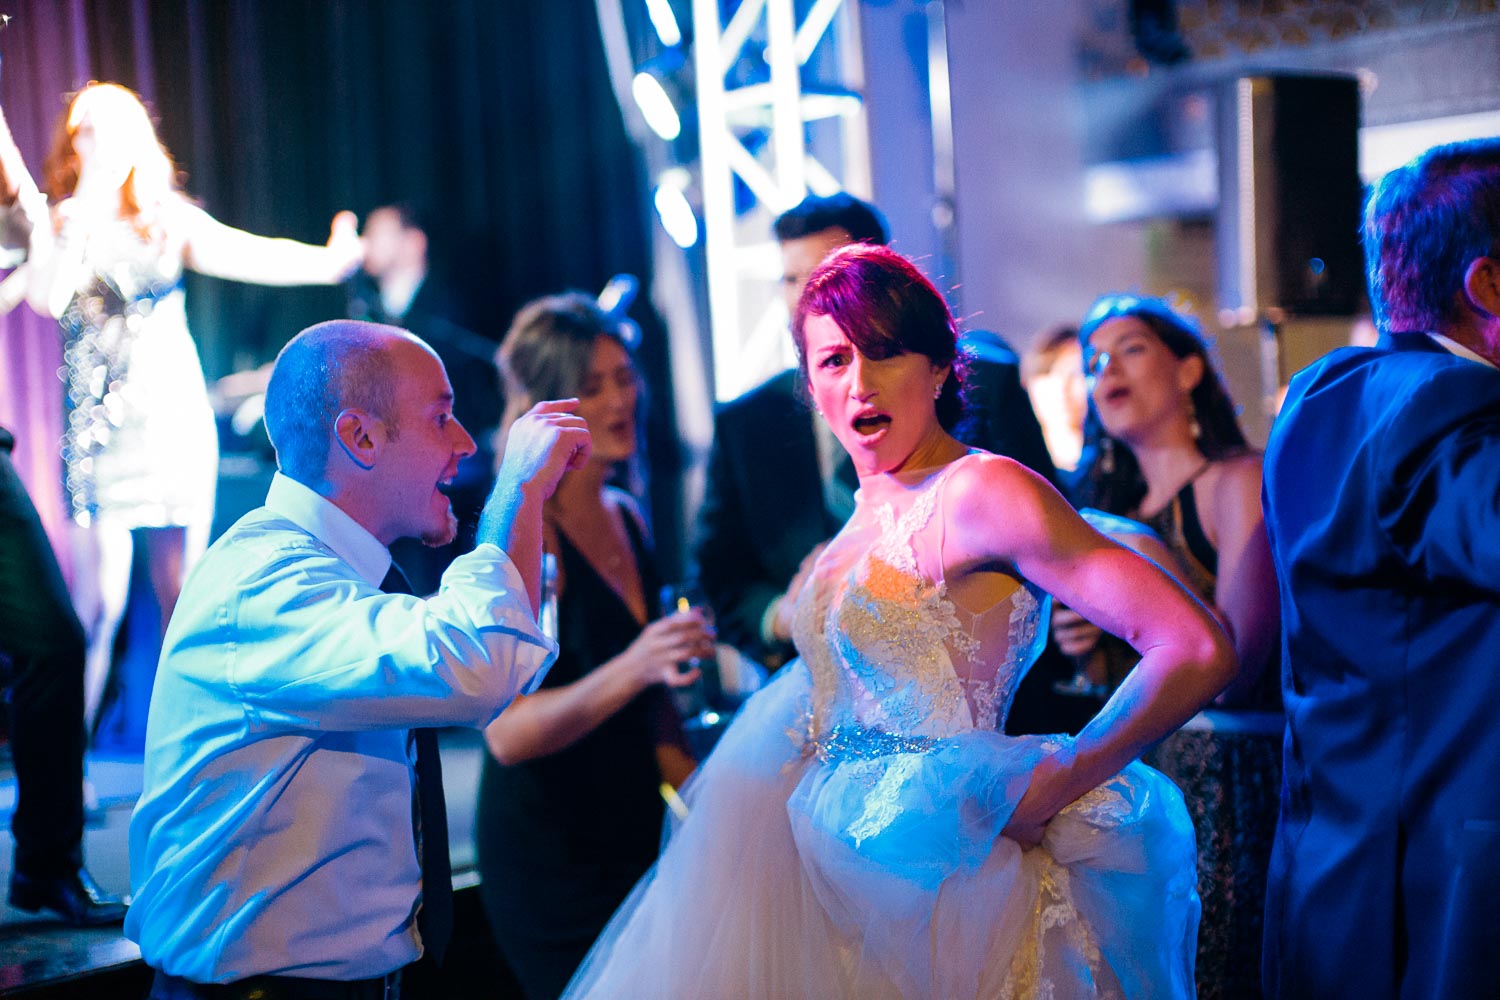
x: 868, y: 865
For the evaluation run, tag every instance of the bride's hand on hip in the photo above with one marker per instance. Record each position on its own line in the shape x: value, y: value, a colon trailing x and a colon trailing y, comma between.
x: 1049, y: 791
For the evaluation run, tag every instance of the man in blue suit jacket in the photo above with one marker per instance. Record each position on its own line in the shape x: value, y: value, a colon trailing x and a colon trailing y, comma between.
x: 1382, y: 497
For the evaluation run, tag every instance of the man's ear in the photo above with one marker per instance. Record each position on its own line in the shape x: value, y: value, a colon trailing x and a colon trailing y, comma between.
x: 360, y: 435
x: 1482, y: 285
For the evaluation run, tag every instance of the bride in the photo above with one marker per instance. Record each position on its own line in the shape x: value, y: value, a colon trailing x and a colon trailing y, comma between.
x: 864, y: 828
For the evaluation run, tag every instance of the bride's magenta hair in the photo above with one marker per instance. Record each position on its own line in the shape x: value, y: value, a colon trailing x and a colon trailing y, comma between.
x: 885, y: 306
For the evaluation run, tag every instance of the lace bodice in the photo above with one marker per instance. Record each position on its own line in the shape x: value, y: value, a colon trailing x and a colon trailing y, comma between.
x: 888, y: 649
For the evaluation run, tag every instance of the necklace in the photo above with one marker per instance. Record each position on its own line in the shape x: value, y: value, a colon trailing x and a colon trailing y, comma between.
x: 1140, y: 513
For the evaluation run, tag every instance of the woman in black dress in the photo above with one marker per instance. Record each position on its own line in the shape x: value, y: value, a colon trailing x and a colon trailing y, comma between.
x: 570, y: 807
x: 1162, y: 445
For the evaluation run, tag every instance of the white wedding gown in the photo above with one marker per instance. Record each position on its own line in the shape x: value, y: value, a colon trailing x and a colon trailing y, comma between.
x: 843, y: 839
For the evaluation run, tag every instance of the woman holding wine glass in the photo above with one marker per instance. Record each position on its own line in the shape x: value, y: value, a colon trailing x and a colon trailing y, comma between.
x: 570, y: 806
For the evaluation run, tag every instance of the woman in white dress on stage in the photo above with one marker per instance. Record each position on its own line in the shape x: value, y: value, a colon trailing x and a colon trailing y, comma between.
x: 110, y: 239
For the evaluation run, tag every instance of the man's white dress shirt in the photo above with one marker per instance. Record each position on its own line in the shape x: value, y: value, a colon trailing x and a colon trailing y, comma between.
x: 274, y: 832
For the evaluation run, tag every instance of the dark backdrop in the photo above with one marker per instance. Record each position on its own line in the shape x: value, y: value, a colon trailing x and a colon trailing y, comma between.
x: 495, y: 118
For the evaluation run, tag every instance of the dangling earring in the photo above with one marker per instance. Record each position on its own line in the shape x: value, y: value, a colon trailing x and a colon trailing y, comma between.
x: 938, y: 392
x: 1194, y: 428
x: 1107, y: 456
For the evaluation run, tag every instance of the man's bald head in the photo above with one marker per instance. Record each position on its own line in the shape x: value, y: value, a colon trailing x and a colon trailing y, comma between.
x: 323, y: 370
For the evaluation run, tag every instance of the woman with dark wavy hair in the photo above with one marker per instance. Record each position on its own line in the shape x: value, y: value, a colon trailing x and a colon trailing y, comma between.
x: 1162, y: 445
x: 865, y: 828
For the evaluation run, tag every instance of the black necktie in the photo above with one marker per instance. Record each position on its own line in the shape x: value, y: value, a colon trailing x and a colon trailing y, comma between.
x: 430, y: 819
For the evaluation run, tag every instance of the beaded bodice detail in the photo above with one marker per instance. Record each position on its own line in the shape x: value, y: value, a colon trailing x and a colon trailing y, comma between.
x: 888, y: 649
x: 124, y: 278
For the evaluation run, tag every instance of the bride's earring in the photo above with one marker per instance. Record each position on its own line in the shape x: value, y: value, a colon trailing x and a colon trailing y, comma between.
x: 937, y: 393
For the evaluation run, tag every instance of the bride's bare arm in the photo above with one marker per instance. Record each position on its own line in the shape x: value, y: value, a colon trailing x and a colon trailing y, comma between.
x: 211, y: 247
x: 1001, y: 513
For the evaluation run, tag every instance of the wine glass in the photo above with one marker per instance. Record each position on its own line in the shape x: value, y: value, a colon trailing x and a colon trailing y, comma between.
x: 1080, y: 685
x: 547, y: 614
x: 695, y: 701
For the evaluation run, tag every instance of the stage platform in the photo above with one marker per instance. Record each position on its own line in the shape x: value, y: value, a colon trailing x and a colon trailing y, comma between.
x: 41, y: 959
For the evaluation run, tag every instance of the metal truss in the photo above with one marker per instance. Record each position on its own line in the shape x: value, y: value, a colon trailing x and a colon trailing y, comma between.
x: 780, y: 138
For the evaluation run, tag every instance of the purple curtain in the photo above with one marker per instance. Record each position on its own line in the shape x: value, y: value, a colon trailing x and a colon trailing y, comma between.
x: 497, y: 118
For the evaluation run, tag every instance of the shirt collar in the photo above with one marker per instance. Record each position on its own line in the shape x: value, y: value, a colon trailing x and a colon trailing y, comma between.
x: 321, y: 518
x: 396, y: 296
x: 1454, y: 347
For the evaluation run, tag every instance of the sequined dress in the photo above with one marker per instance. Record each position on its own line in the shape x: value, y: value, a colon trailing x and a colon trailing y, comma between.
x: 139, y: 444
x: 843, y: 840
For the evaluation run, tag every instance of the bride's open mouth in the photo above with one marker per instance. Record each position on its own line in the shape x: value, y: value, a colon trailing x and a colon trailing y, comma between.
x: 869, y: 425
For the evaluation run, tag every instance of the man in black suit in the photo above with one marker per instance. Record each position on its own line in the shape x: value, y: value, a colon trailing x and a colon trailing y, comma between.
x: 779, y: 484
x: 43, y: 640
x: 1382, y: 497
x: 42, y: 649
x: 394, y: 287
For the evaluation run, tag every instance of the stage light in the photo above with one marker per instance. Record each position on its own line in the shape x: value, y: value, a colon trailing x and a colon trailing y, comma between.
x: 618, y: 295
x: 656, y: 107
x: 677, y: 216
x: 664, y: 21
x: 615, y: 300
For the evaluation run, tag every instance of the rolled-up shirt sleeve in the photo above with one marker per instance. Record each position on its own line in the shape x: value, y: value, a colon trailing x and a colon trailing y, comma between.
x: 308, y: 646
x: 274, y: 831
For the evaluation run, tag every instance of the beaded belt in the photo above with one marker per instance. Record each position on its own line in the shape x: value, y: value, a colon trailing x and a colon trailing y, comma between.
x: 859, y: 743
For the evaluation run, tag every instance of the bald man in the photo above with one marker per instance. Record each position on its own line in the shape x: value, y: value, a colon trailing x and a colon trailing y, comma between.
x: 275, y: 850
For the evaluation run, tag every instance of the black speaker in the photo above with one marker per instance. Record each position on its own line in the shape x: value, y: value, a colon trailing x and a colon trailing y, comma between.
x: 1289, y: 197
x: 1153, y: 28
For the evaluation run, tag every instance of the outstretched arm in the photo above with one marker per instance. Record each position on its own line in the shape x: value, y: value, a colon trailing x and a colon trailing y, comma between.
x: 211, y: 247
x: 25, y: 229
x: 16, y: 183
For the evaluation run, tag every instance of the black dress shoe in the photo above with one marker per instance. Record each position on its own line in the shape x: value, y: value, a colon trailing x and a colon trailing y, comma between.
x: 75, y: 897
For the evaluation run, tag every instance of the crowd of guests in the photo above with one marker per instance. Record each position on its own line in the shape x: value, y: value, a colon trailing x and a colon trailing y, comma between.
x: 969, y: 654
